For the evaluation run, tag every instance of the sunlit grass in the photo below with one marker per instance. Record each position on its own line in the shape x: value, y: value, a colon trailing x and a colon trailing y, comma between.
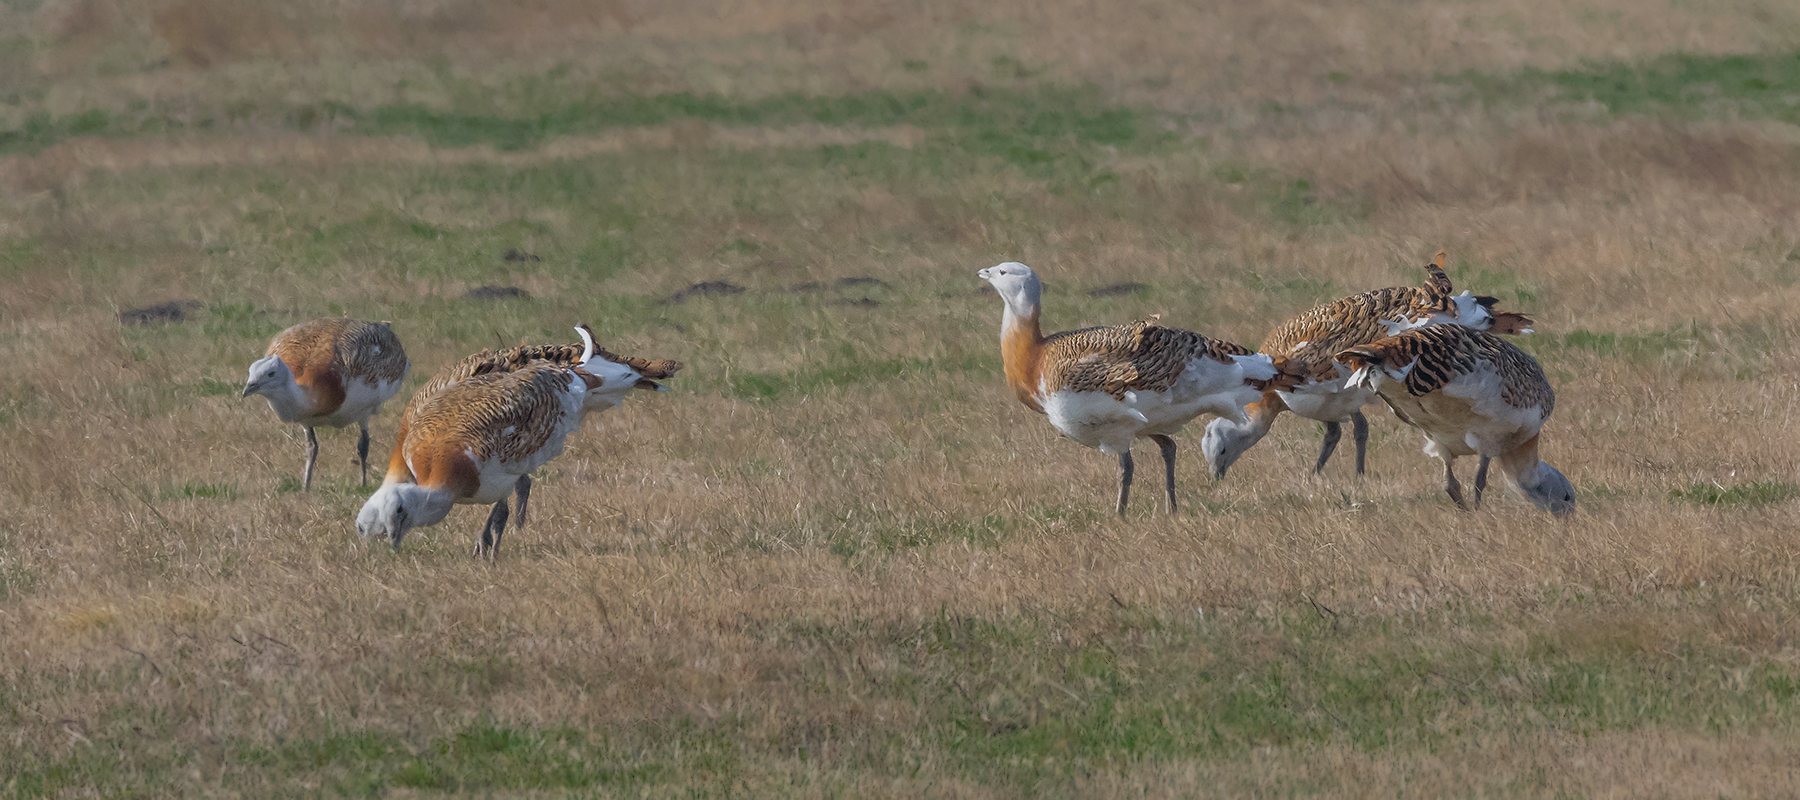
x: 838, y: 558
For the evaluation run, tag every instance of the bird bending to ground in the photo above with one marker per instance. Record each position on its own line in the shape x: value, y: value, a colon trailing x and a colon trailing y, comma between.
x: 1472, y: 394
x: 1106, y: 386
x: 479, y: 429
x: 598, y: 360
x: 1310, y: 340
x: 330, y: 372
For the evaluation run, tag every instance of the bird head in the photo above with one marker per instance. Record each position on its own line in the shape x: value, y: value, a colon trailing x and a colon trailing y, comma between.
x: 1017, y: 285
x: 1549, y: 490
x: 266, y: 374
x: 1224, y: 442
x: 396, y: 508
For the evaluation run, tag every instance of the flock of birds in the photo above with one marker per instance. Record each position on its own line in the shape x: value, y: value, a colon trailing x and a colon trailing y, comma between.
x: 473, y: 434
x: 476, y: 431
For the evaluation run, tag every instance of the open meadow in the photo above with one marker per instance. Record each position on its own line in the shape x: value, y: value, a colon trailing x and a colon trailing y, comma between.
x: 839, y: 559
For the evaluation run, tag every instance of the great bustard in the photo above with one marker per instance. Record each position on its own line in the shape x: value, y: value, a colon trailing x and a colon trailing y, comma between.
x: 1106, y: 386
x: 1472, y: 394
x: 330, y: 372
x: 1309, y: 341
x: 616, y: 369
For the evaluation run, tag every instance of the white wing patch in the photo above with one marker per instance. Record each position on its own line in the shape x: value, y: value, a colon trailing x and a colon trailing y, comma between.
x: 1470, y: 313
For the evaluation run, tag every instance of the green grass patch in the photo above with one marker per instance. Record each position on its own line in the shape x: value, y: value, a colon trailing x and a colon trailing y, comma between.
x: 16, y: 578
x: 201, y: 491
x: 1294, y: 290
x: 484, y: 756
x: 1764, y: 86
x: 1294, y: 201
x: 1756, y: 493
x: 1002, y: 121
x: 985, y: 531
x: 844, y: 368
x: 209, y: 387
x: 1641, y: 347
x: 1037, y: 698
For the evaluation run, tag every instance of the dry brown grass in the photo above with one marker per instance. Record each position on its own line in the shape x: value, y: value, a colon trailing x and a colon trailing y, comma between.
x: 875, y: 582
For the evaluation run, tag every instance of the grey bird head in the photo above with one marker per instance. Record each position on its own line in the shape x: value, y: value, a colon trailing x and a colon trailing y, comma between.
x: 1550, y: 491
x: 1223, y: 443
x: 267, y: 373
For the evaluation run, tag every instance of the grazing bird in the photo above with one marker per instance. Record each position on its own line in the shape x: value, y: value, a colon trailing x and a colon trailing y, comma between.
x: 1472, y: 394
x: 585, y: 354
x: 481, y: 431
x: 1106, y: 386
x: 1309, y: 342
x: 330, y: 372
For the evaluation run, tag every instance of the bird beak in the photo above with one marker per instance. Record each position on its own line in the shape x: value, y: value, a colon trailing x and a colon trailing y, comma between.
x: 981, y: 273
x: 248, y: 388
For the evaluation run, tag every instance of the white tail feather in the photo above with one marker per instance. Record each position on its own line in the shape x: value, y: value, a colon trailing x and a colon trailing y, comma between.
x: 587, y: 343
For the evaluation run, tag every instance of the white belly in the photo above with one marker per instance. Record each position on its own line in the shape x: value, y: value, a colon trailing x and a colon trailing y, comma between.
x: 362, y: 399
x: 1328, y: 402
x: 1101, y: 421
x: 1096, y: 419
x: 1455, y: 426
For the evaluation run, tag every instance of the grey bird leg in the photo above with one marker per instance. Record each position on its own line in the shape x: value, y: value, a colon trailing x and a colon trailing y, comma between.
x: 1452, y: 486
x: 523, y: 490
x: 1333, y: 432
x: 1481, y: 480
x: 489, y: 543
x: 1124, y: 480
x: 362, y: 451
x: 1167, y: 444
x: 1359, y: 429
x: 312, y: 457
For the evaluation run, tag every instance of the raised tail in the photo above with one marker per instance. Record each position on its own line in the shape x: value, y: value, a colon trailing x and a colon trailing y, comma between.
x: 1439, y: 280
x: 1511, y: 323
x: 1361, y: 361
x: 649, y: 370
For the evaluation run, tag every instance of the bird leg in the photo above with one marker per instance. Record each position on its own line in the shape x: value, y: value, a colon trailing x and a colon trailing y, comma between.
x: 312, y: 457
x: 1481, y: 479
x: 489, y: 543
x: 1453, y: 487
x: 523, y: 490
x: 1167, y: 443
x: 1124, y: 480
x: 362, y: 451
x: 1359, y: 429
x: 1333, y: 432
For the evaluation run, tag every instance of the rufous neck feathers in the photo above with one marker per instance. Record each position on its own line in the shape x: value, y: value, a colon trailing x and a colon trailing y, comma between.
x: 1022, y: 352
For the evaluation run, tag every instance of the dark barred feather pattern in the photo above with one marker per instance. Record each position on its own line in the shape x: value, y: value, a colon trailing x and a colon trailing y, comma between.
x: 351, y: 348
x: 562, y: 355
x: 1442, y: 353
x: 477, y: 411
x: 1121, y: 358
x: 1310, y: 340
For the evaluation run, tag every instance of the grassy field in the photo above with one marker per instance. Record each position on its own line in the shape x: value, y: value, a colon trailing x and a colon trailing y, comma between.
x: 839, y: 560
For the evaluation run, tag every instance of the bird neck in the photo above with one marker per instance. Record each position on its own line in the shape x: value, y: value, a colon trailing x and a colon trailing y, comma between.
x: 1259, y: 417
x: 398, y: 470
x: 425, y: 505
x: 288, y: 399
x: 1522, y: 462
x: 1261, y: 414
x: 1022, y: 352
